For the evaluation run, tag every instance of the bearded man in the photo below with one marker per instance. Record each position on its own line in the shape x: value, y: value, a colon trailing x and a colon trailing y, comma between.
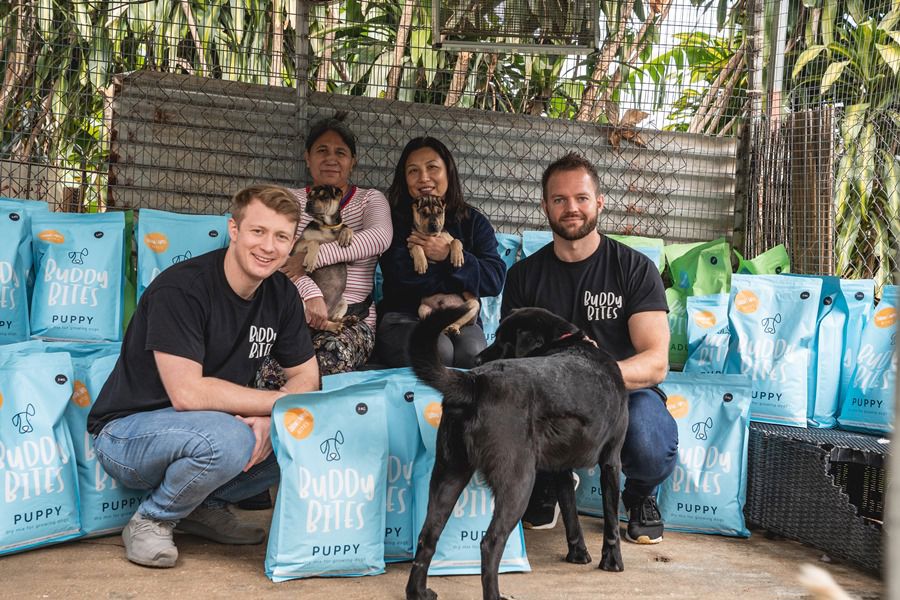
x: 615, y: 295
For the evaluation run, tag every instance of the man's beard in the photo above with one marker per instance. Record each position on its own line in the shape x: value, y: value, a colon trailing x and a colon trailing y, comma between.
x: 569, y: 235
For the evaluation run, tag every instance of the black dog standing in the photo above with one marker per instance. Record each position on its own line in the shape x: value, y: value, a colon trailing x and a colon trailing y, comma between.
x: 560, y: 403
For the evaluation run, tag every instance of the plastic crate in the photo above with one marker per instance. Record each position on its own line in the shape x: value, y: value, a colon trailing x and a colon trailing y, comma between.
x: 821, y: 487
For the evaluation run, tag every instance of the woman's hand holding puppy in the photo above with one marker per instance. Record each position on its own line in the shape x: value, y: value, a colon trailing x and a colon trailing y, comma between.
x: 316, y: 312
x: 436, y: 248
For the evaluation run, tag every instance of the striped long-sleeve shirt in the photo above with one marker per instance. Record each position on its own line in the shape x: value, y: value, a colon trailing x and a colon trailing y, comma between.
x: 368, y: 215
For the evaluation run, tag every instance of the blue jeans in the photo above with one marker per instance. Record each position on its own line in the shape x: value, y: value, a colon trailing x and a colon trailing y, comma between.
x: 184, y: 458
x: 648, y: 455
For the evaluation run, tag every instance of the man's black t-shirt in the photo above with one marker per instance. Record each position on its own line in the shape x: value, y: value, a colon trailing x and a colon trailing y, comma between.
x: 598, y: 294
x: 190, y: 311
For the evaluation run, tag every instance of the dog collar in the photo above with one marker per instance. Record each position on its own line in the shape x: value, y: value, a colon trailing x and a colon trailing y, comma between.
x: 565, y: 335
x: 325, y: 226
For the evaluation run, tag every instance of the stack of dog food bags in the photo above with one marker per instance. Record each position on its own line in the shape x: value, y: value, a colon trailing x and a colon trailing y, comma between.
x: 329, y: 517
x: 868, y: 404
x: 707, y: 491
x: 708, y: 333
x: 458, y: 551
x: 37, y: 462
x: 403, y: 445
x: 773, y: 322
x: 105, y: 506
x: 508, y: 246
x: 167, y: 238
x: 80, y: 276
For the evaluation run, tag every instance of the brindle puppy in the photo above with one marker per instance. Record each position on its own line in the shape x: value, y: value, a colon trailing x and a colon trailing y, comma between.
x: 323, y: 204
x: 428, y: 219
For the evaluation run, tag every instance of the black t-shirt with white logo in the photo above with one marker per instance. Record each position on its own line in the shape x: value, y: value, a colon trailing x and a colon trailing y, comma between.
x: 598, y: 294
x: 190, y: 311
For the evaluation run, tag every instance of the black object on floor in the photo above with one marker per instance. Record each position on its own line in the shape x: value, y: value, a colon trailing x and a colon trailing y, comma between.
x: 261, y: 501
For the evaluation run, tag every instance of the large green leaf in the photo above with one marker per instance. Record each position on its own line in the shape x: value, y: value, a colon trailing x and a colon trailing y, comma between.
x: 891, y: 56
x: 805, y: 57
x: 832, y: 74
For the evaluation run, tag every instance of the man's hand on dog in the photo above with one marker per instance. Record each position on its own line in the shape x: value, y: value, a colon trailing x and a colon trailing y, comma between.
x: 293, y: 268
x: 263, y: 447
x: 316, y: 312
x: 436, y: 248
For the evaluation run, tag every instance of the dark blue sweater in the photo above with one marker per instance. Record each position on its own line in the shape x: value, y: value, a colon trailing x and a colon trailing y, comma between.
x: 482, y: 274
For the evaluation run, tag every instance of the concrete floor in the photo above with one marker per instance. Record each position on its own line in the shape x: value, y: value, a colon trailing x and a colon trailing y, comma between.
x: 683, y: 566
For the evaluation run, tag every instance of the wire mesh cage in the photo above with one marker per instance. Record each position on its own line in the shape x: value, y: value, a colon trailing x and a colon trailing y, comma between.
x: 783, y: 113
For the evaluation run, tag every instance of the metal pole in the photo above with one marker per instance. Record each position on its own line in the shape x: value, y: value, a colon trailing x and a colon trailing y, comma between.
x: 302, y: 61
x: 892, y: 501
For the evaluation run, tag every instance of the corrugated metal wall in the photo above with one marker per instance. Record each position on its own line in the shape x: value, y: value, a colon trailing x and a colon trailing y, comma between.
x: 186, y: 144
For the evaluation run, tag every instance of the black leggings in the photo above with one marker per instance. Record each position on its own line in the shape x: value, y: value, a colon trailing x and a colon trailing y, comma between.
x: 395, y: 329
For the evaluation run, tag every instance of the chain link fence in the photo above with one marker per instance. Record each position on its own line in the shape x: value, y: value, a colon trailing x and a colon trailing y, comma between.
x: 782, y: 113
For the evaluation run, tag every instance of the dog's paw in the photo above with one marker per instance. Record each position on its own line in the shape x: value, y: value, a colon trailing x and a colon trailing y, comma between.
x: 578, y: 556
x: 420, y: 266
x: 309, y: 263
x: 612, y: 561
x: 451, y: 330
x: 345, y: 236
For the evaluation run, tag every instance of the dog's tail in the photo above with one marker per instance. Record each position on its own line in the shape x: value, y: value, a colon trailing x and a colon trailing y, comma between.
x: 426, y: 363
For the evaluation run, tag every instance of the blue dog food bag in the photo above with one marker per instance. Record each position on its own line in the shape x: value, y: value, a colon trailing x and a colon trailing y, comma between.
x: 869, y: 401
x: 167, y: 238
x: 458, y: 550
x: 40, y: 480
x: 773, y: 322
x: 708, y: 488
x: 652, y: 248
x: 106, y: 506
x: 79, y: 276
x: 532, y: 241
x: 508, y: 247
x: 403, y: 445
x: 707, y: 333
x: 332, y: 447
x: 859, y: 296
x: 824, y: 388
x: 15, y: 267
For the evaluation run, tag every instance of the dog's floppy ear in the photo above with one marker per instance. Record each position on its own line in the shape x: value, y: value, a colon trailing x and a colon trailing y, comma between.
x: 527, y: 342
x: 323, y: 447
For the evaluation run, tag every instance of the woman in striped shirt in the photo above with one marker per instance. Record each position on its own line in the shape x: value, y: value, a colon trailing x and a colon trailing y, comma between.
x: 330, y: 157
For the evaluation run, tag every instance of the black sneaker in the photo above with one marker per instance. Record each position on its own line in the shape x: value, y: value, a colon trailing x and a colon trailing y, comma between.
x: 645, y: 525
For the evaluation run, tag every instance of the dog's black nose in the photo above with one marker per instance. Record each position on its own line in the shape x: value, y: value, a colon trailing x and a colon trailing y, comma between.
x: 433, y: 228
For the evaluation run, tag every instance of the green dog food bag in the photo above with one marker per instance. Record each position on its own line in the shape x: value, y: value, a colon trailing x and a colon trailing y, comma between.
x: 704, y: 270
x: 774, y: 261
x: 678, y: 341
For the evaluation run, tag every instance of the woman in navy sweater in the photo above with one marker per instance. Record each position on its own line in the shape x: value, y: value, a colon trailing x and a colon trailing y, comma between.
x: 426, y: 168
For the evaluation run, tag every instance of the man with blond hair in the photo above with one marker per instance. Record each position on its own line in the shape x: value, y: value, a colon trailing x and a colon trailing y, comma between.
x: 177, y: 416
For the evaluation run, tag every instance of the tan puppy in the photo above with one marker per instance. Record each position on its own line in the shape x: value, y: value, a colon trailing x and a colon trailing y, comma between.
x: 428, y: 219
x: 323, y: 204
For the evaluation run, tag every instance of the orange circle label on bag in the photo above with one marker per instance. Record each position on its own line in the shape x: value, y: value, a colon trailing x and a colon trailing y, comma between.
x: 80, y: 395
x: 52, y: 236
x: 678, y: 406
x: 704, y: 319
x: 299, y: 422
x: 156, y: 241
x: 1, y: 400
x: 433, y: 413
x: 746, y: 302
x: 886, y: 317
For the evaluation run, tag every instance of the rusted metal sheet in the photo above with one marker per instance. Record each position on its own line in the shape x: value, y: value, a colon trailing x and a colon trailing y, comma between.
x: 186, y: 143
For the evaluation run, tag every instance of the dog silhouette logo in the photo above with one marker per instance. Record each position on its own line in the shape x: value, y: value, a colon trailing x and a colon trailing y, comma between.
x: 181, y: 257
x: 21, y: 422
x: 769, y: 323
x: 700, y: 428
x: 331, y: 447
x: 77, y: 256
